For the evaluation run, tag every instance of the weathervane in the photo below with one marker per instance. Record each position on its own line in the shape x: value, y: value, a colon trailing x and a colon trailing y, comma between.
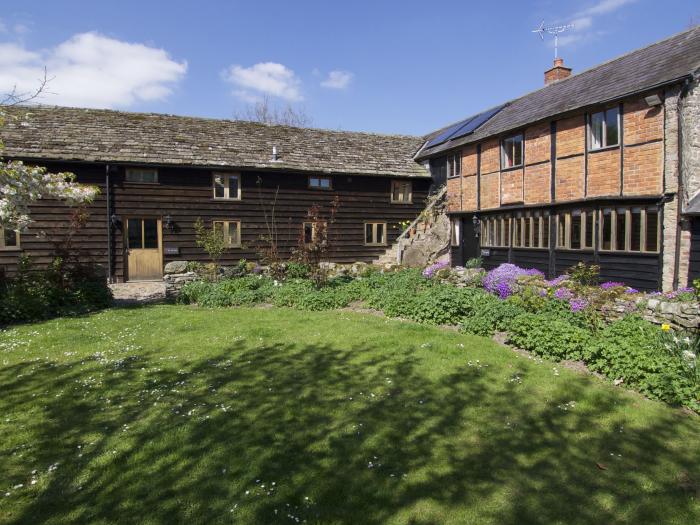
x: 552, y: 30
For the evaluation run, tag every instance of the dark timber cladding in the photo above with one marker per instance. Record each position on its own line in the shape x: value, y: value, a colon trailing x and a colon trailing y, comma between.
x: 185, y: 194
x: 694, y: 267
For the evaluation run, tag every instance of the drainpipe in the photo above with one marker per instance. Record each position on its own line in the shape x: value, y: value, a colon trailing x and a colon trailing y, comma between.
x: 109, y: 226
x: 679, y: 219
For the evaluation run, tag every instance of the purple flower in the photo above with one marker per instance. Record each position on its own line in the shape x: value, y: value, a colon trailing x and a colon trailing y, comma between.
x: 500, y: 280
x: 563, y: 293
x: 430, y: 270
x: 611, y: 284
x: 556, y: 281
x: 257, y: 270
x: 630, y: 290
x: 577, y: 304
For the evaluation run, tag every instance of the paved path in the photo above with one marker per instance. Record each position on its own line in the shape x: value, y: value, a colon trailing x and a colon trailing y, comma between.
x: 138, y: 292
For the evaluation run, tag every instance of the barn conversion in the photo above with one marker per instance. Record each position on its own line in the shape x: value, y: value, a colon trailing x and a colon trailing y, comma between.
x: 602, y: 167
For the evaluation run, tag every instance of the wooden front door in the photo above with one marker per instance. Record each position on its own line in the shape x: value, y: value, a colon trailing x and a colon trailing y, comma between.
x: 144, y: 241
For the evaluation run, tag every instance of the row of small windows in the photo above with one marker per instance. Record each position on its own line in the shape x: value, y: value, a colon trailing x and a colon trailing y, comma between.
x: 603, y: 132
x: 227, y: 186
x: 620, y: 228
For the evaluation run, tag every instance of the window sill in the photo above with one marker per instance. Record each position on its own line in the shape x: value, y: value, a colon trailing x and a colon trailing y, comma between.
x: 530, y: 248
x: 136, y: 183
x: 627, y: 252
x: 562, y: 249
x: 319, y: 189
x: 375, y: 245
x: 225, y: 199
x: 512, y: 168
x: 606, y: 148
x: 401, y: 203
x: 11, y: 249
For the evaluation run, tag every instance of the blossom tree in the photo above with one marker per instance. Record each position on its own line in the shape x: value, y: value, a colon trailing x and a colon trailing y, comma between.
x: 21, y: 184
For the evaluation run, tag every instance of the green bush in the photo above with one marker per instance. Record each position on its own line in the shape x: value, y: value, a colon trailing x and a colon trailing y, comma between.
x: 488, y: 314
x: 297, y: 270
x: 241, y: 291
x: 548, y: 336
x: 631, y: 349
x: 304, y: 295
x: 41, y: 294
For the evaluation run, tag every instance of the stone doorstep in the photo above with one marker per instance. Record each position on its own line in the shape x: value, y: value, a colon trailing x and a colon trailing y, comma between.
x: 138, y: 292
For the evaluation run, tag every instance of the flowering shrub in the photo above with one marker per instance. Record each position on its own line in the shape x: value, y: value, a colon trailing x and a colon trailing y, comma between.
x: 578, y: 304
x: 430, y: 271
x: 563, y: 294
x: 500, y: 280
x: 611, y: 284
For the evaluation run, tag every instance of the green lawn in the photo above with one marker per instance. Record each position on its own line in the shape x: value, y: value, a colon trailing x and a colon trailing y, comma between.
x: 175, y: 414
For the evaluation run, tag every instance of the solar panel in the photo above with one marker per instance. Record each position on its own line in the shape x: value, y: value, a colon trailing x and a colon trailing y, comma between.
x: 475, y: 122
x: 442, y: 137
x: 463, y: 127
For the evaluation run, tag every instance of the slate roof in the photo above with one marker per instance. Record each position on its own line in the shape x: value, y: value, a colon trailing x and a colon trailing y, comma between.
x: 44, y: 132
x: 661, y: 63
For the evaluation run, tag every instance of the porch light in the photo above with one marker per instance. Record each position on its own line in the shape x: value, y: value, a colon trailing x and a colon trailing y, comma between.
x: 115, y: 221
x: 476, y: 222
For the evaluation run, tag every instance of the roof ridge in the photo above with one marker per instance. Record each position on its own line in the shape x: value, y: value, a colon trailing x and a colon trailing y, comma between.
x: 197, y: 118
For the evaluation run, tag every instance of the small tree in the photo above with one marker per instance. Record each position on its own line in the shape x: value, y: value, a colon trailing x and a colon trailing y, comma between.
x: 264, y: 112
x: 212, y: 241
x: 313, y: 251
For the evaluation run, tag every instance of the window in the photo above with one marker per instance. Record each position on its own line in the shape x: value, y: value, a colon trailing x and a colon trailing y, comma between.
x: 232, y: 232
x: 632, y: 229
x: 495, y: 231
x: 530, y: 230
x: 375, y: 233
x: 320, y: 183
x: 9, y: 240
x: 512, y: 152
x: 454, y: 165
x: 575, y: 230
x: 142, y: 175
x: 401, y: 192
x: 455, y: 231
x: 142, y: 234
x: 227, y: 186
x: 604, y: 129
x: 312, y: 231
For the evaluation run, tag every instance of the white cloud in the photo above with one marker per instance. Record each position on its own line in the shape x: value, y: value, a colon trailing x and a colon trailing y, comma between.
x: 91, y: 70
x: 266, y: 78
x: 584, y: 21
x: 337, y: 79
x: 606, y: 6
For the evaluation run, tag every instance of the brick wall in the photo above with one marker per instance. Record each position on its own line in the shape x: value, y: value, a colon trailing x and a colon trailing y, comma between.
x: 537, y: 183
x: 604, y: 173
x: 512, y: 186
x: 568, y: 179
x: 489, y: 190
x: 454, y: 194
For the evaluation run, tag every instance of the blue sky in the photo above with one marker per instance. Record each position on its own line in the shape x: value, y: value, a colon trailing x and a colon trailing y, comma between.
x: 382, y: 66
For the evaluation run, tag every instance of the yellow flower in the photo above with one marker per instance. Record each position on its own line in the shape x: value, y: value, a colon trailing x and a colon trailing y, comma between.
x: 665, y: 327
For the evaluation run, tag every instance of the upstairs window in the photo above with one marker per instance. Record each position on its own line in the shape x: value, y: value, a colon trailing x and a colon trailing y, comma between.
x: 512, y: 151
x: 9, y: 240
x: 227, y: 186
x: 231, y: 231
x: 454, y: 165
x: 141, y: 175
x: 401, y: 192
x: 375, y: 233
x: 320, y: 183
x: 605, y: 129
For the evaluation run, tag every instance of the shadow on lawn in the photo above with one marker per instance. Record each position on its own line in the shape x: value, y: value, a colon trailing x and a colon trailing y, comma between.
x: 340, y: 427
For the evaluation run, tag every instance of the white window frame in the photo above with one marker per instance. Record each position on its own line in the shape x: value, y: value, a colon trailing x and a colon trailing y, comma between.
x: 404, y: 198
x: 313, y: 230
x: 374, y: 225
x: 319, y: 186
x: 226, y: 225
x: 504, y: 157
x: 133, y: 175
x: 454, y: 165
x: 4, y: 248
x: 604, y: 131
x: 226, y: 177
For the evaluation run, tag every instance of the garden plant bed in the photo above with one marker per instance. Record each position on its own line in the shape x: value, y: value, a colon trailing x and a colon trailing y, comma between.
x: 173, y: 413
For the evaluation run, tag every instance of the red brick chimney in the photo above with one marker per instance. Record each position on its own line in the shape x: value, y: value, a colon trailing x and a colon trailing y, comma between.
x: 557, y: 73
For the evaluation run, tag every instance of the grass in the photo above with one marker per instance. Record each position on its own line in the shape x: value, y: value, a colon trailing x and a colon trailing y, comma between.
x: 175, y: 414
